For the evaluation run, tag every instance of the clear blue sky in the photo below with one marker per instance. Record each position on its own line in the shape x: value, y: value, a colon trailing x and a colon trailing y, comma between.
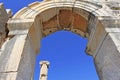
x: 64, y: 50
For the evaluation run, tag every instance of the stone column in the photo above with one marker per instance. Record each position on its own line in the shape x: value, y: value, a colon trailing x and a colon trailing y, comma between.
x: 18, y: 53
x: 44, y: 70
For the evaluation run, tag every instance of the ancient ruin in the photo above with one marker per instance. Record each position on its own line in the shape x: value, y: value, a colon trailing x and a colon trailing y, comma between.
x: 96, y: 20
x: 44, y: 70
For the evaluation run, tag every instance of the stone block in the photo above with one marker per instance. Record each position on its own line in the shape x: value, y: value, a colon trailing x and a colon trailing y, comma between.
x: 27, y: 62
x: 34, y: 38
x: 65, y: 18
x: 23, y: 27
x: 8, y: 76
x: 9, y: 13
x: 81, y: 12
x: 11, y: 54
x: 48, y: 14
x: 3, y: 14
x: 49, y: 21
x: 19, y: 26
x: 3, y: 22
x: 38, y: 27
x: 111, y: 25
x: 107, y: 60
x: 96, y: 38
x: 17, y: 59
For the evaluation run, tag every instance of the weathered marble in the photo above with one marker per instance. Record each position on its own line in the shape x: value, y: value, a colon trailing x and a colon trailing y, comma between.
x: 10, y: 57
x: 44, y: 70
x: 9, y: 12
x: 96, y: 20
x: 3, y: 22
x: 107, y: 60
x: 27, y: 61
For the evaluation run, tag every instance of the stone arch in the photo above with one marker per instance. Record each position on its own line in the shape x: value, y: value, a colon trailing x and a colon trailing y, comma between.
x: 91, y: 20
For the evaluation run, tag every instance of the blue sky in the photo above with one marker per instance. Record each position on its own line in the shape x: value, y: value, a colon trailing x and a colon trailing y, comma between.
x: 64, y: 50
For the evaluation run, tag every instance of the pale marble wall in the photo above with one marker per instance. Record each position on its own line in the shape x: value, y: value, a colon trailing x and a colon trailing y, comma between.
x: 107, y: 60
x: 27, y: 62
x: 10, y: 57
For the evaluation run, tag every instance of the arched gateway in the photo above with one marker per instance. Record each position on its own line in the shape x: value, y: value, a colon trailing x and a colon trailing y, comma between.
x: 97, y: 21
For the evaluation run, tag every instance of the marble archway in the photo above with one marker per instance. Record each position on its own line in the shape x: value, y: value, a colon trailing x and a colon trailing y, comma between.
x: 95, y: 21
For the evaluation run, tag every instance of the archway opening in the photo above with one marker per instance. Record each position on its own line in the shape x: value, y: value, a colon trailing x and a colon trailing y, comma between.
x: 97, y: 22
x: 68, y: 60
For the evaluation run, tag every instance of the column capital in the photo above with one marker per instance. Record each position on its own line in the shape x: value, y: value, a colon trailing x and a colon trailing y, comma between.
x: 44, y: 62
